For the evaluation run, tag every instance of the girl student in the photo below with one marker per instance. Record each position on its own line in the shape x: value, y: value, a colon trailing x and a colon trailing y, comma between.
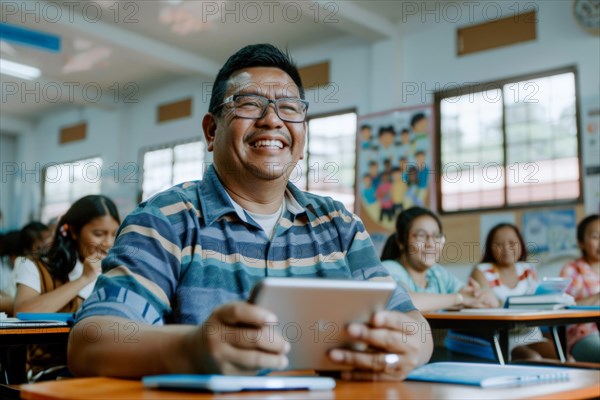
x: 60, y: 280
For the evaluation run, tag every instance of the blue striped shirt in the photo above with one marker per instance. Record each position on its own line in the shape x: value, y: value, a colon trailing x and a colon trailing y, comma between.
x: 203, y: 252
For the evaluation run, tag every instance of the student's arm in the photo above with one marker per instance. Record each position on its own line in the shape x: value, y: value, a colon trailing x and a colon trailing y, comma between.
x: 237, y: 339
x: 478, y: 276
x: 433, y: 301
x: 6, y: 303
x: 29, y: 300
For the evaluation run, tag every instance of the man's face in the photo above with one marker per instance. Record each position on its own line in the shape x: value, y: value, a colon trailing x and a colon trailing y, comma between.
x: 266, y: 148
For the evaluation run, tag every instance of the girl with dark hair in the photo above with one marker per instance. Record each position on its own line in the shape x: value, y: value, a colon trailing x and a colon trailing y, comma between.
x: 60, y: 280
x: 583, y: 340
x: 35, y: 239
x: 411, y: 256
x: 505, y: 270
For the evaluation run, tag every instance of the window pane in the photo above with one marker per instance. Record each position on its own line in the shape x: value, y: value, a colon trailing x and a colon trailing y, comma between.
x: 189, y: 159
x: 158, y: 171
x: 67, y: 182
x: 539, y: 141
x: 472, y: 157
x: 331, y: 157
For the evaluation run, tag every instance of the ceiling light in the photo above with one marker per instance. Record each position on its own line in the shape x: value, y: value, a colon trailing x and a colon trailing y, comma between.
x: 19, y: 70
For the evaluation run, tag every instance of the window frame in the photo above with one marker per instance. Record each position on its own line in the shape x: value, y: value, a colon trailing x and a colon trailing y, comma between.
x: 162, y: 146
x: 499, y: 85
x: 43, y: 196
x: 307, y: 146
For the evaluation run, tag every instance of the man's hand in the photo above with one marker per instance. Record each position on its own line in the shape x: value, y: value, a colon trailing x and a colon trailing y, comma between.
x: 397, y: 343
x: 238, y: 339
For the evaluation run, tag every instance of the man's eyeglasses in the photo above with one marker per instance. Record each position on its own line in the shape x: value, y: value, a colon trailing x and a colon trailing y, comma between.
x: 423, y: 237
x: 253, y: 106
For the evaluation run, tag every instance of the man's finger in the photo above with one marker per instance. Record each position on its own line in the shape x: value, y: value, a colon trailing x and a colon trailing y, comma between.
x: 384, y: 338
x: 397, y: 321
x: 253, y: 360
x: 242, y: 313
x: 264, y: 338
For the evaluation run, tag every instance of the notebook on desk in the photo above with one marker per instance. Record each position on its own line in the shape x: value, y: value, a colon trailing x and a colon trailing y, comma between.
x: 486, y: 375
x: 230, y: 383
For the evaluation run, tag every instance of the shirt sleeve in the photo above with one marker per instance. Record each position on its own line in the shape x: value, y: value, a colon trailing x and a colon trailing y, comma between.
x: 149, y: 244
x: 365, y: 264
x: 26, y: 273
x: 570, y: 271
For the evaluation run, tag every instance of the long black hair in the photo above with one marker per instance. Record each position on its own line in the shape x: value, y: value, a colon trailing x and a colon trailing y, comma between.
x: 63, y: 253
x: 488, y: 254
x: 397, y: 243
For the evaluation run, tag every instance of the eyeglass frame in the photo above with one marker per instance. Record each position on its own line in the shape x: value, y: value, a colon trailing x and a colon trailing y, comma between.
x: 233, y: 97
x: 440, y: 237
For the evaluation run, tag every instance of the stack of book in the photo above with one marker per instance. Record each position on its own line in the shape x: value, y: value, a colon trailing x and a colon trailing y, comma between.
x: 540, y: 301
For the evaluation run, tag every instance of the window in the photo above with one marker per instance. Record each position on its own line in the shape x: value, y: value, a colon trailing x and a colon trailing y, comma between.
x: 67, y: 182
x: 509, y: 143
x: 330, y: 155
x: 170, y: 165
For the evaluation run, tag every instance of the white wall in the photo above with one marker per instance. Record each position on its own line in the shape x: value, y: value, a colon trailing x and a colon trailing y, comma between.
x: 367, y: 77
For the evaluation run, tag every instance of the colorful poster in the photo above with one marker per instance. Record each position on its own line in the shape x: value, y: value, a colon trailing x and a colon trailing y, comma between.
x: 549, y: 232
x: 394, y: 164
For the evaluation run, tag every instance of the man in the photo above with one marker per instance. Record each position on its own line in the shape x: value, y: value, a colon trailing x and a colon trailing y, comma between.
x: 185, y: 260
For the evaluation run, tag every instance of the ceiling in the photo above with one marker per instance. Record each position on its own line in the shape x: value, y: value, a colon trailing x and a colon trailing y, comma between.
x: 107, y: 44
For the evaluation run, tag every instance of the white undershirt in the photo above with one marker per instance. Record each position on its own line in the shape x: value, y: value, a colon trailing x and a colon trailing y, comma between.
x: 26, y: 273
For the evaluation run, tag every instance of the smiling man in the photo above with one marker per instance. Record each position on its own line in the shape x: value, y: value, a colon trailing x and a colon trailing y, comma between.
x: 173, y: 296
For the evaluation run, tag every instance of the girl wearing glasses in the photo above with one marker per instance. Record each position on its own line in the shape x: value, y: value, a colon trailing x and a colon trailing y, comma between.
x: 505, y: 271
x: 411, y: 256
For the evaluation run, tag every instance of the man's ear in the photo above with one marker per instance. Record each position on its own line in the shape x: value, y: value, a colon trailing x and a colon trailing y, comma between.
x: 209, y: 126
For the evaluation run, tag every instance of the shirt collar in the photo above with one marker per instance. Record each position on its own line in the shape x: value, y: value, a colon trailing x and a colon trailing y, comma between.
x: 216, y: 202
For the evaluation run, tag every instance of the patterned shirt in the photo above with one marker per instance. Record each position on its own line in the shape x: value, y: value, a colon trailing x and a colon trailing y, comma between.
x: 439, y: 279
x: 526, y: 284
x: 203, y: 252
x: 585, y: 283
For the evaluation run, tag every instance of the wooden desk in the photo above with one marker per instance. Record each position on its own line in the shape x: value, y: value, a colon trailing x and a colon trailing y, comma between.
x: 13, y: 347
x: 498, y: 322
x: 582, y: 384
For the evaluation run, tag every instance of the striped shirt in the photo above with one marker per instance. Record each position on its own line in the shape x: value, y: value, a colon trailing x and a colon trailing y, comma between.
x: 203, y: 252
x: 526, y: 284
x: 585, y: 283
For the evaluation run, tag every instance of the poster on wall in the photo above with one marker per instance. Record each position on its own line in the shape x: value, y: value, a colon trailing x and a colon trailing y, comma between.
x: 591, y: 155
x: 550, y: 232
x: 394, y: 164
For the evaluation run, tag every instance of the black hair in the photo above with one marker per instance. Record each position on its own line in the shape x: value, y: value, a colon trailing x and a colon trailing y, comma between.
x: 63, y: 253
x: 582, y: 226
x: 29, y: 235
x: 10, y: 244
x: 416, y: 118
x: 365, y: 126
x: 397, y: 243
x: 256, y: 55
x: 404, y: 131
x: 388, y: 129
x: 488, y: 253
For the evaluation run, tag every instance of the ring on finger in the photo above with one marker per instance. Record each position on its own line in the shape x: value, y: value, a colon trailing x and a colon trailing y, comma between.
x: 391, y: 363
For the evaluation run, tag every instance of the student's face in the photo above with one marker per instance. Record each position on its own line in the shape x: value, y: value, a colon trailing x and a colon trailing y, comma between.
x: 591, y: 242
x: 235, y: 141
x: 506, y: 247
x: 405, y: 138
x: 97, y: 237
x: 366, y: 134
x: 387, y: 138
x: 421, y: 125
x: 425, y: 243
x: 373, y: 170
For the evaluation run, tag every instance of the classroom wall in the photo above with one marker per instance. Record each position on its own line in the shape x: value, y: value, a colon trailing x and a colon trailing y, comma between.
x: 366, y: 77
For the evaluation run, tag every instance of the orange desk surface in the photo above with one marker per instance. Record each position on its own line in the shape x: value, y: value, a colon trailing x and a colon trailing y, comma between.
x: 582, y: 384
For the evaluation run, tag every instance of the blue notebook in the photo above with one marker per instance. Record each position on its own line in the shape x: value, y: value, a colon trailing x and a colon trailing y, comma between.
x: 584, y: 308
x: 486, y: 375
x: 231, y: 383
x: 69, y: 318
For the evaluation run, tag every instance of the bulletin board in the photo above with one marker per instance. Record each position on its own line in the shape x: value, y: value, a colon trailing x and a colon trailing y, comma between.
x: 394, y: 167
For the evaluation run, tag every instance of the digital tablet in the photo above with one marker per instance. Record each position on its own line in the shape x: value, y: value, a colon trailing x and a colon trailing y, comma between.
x: 313, y: 314
x: 553, y: 286
x: 230, y: 383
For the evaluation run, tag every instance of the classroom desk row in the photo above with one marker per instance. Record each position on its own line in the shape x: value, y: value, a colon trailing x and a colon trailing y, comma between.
x: 583, y: 383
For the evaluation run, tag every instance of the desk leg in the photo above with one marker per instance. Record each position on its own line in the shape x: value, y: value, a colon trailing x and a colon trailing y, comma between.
x: 559, y: 336
x: 498, y: 342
